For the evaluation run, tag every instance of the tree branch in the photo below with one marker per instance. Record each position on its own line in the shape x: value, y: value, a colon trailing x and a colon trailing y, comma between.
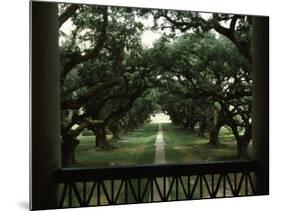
x: 94, y: 92
x: 122, y: 111
x: 67, y: 14
x: 66, y: 68
x: 231, y: 34
x: 233, y: 22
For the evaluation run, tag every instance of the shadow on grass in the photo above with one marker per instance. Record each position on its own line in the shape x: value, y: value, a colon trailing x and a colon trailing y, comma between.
x: 136, y: 147
x: 185, y: 147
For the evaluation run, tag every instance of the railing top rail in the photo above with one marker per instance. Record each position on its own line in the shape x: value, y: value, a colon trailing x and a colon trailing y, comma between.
x: 146, y: 171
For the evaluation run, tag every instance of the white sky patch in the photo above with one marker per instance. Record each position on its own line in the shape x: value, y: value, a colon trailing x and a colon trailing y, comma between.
x: 66, y: 28
x: 160, y: 118
x: 74, y: 127
x: 206, y: 15
x: 149, y: 37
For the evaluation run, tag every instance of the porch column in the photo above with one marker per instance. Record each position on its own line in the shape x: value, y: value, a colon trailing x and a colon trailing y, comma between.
x: 261, y: 100
x: 45, y: 108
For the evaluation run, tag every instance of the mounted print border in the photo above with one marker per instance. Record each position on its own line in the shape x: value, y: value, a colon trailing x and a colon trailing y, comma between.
x: 54, y: 185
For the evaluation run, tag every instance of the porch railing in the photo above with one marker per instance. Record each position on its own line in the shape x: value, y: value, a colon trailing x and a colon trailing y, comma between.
x: 82, y: 187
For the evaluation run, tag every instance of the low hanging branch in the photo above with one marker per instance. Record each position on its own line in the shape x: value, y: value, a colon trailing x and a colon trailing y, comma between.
x: 124, y: 109
x: 67, y: 14
x: 67, y: 67
x: 231, y: 34
x: 94, y: 92
x: 183, y: 26
x: 198, y: 21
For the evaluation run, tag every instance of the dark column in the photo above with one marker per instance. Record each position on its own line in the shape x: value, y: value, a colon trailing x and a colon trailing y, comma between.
x: 45, y: 108
x: 261, y: 100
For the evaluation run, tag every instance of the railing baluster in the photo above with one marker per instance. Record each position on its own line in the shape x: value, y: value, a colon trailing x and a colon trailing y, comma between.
x: 194, y: 187
x: 177, y: 188
x: 63, y: 195
x: 252, y: 184
x: 218, y: 185
x: 188, y: 187
x: 126, y: 191
x: 119, y: 191
x: 170, y: 188
x: 158, y: 189
x: 213, y: 185
x: 201, y: 187
x: 207, y: 185
x: 91, y: 193
x: 105, y: 192
x: 235, y: 183
x: 240, y: 184
x: 246, y: 184
x: 145, y: 189
x: 230, y: 184
x: 224, y: 186
x: 69, y: 195
x: 184, y: 189
x: 212, y: 178
x: 151, y: 189
x: 132, y: 188
x: 76, y: 191
x: 112, y: 191
x: 98, y: 193
x: 139, y: 189
x: 84, y: 193
x: 164, y: 188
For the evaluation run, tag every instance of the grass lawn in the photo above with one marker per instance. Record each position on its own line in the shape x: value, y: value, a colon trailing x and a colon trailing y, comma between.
x: 184, y: 147
x: 138, y: 148
x: 134, y: 148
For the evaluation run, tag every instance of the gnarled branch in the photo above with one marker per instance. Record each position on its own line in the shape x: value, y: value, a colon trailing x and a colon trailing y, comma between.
x: 94, y: 92
x: 67, y: 14
x: 67, y: 67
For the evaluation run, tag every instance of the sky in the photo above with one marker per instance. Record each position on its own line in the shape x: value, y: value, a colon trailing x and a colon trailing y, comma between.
x: 148, y: 37
x: 160, y: 118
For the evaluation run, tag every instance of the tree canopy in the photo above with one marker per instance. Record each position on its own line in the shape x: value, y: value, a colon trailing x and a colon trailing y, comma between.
x: 198, y: 72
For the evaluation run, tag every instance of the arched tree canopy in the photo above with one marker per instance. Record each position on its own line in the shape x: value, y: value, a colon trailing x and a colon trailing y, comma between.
x: 198, y: 71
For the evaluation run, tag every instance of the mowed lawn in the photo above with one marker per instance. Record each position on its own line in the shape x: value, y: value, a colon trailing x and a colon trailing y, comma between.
x: 136, y: 147
x: 184, y: 147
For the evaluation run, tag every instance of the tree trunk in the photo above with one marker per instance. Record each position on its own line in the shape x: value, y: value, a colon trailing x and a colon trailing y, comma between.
x: 191, y: 128
x: 202, y: 128
x: 68, y: 151
x: 242, y: 149
x: 115, y: 131
x: 185, y: 125
x: 214, y: 131
x: 214, y: 135
x: 101, y: 140
x: 115, y: 134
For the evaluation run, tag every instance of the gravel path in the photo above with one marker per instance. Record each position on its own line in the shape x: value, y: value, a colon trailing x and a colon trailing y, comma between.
x: 159, y: 159
x: 160, y: 147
